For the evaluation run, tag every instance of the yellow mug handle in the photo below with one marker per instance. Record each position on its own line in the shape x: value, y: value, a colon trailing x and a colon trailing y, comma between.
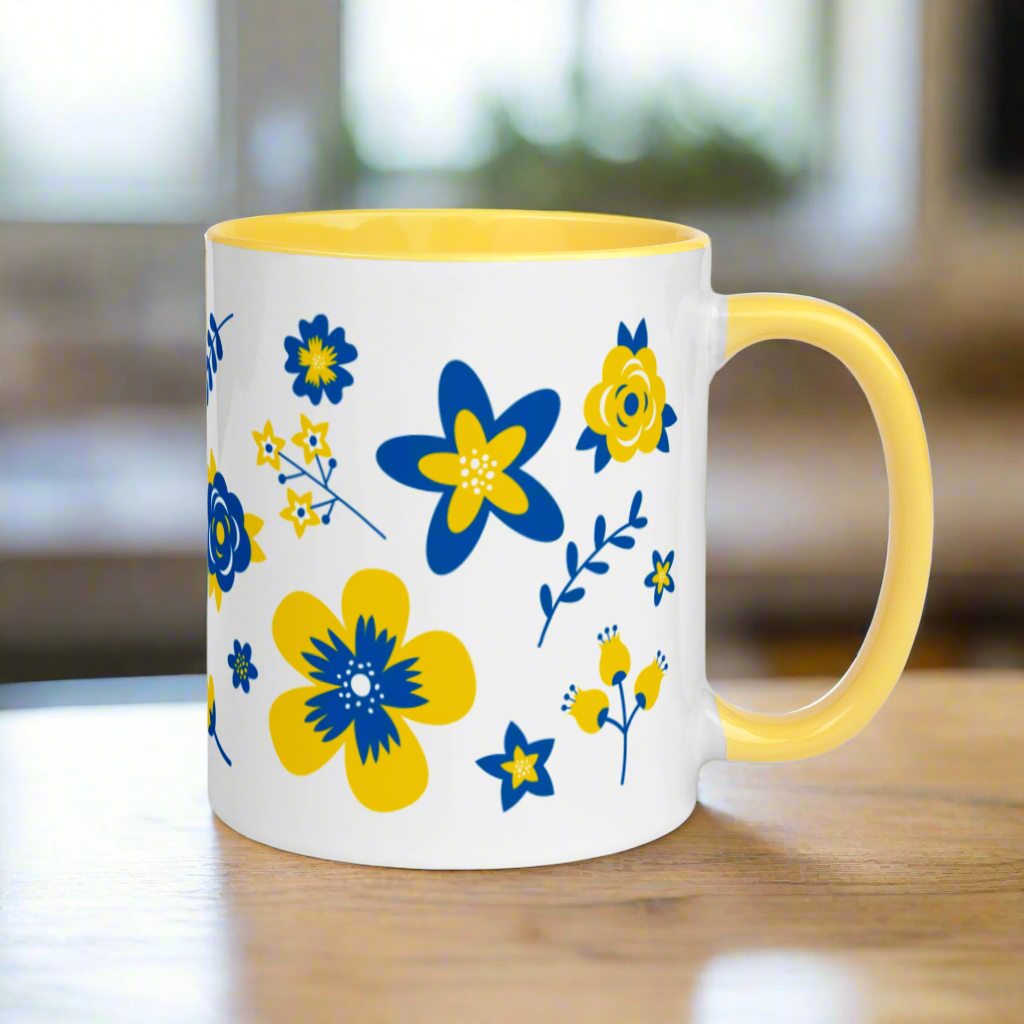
x: 853, y: 701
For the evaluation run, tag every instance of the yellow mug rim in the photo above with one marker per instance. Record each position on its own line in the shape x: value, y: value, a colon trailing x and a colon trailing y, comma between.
x: 458, y: 235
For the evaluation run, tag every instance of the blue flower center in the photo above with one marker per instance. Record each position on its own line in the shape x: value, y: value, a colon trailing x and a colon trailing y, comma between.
x: 366, y: 686
x: 312, y: 440
x: 630, y: 405
x: 268, y: 447
x: 300, y: 512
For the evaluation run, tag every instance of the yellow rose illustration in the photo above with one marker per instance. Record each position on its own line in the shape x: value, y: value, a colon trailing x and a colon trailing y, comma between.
x: 627, y: 413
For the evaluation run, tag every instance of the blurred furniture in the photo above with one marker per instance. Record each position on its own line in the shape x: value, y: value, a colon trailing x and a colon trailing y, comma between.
x: 880, y: 883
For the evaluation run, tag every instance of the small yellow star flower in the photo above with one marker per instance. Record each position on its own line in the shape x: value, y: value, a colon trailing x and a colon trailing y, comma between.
x: 312, y: 438
x: 268, y: 447
x: 300, y: 512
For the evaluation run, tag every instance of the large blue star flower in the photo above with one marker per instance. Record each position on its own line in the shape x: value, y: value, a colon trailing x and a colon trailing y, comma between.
x: 477, y: 467
x: 521, y: 767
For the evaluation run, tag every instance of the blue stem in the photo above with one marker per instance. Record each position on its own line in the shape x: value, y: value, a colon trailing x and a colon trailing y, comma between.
x: 572, y: 580
x: 336, y: 497
x: 632, y: 714
x: 220, y: 748
x: 625, y: 734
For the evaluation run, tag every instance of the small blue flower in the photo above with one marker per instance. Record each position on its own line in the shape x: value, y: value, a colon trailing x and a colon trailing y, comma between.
x: 242, y: 668
x: 521, y: 767
x: 477, y: 467
x: 660, y: 579
x: 316, y: 359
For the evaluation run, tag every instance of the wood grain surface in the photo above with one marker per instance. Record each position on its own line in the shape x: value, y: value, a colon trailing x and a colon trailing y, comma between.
x: 882, y: 882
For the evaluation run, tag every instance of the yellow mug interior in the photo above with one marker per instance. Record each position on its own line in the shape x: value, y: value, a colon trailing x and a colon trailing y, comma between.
x: 458, y: 235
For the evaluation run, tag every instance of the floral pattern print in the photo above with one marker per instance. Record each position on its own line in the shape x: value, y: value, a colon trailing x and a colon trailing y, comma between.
x: 477, y: 467
x: 365, y: 682
x: 211, y: 719
x: 302, y: 511
x: 660, y: 578
x: 590, y: 708
x: 626, y: 412
x: 570, y: 594
x: 316, y: 358
x: 243, y: 671
x: 521, y: 767
x: 214, y: 351
x: 230, y: 535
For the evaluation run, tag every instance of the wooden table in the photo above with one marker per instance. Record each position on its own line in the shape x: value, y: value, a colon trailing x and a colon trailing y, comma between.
x: 880, y: 883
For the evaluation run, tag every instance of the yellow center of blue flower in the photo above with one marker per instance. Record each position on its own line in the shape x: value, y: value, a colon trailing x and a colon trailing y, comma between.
x: 318, y: 359
x: 661, y: 575
x: 521, y: 767
x: 219, y: 530
x: 476, y: 471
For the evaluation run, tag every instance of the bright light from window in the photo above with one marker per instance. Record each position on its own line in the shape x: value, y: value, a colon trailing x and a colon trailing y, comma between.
x: 421, y: 78
x: 108, y: 108
x: 749, y: 65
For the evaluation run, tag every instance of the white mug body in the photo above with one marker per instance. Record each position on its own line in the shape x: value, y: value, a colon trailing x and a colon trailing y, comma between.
x: 467, y: 498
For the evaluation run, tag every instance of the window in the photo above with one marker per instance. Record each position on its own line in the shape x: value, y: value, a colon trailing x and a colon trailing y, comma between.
x: 108, y: 109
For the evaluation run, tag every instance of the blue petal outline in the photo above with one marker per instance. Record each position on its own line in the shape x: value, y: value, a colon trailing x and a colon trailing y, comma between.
x: 460, y: 388
x: 446, y: 551
x: 542, y: 520
x: 538, y: 413
x: 514, y: 738
x: 400, y: 457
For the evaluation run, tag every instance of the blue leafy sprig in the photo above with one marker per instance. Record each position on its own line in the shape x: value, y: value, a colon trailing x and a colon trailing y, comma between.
x: 214, y: 350
x: 570, y: 594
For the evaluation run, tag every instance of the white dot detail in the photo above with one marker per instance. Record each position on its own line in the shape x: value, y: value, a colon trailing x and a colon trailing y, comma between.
x: 465, y: 472
x: 475, y: 463
x: 490, y: 474
x: 360, y: 685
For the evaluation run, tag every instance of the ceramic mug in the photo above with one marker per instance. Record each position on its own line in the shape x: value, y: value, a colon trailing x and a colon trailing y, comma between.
x: 455, y: 554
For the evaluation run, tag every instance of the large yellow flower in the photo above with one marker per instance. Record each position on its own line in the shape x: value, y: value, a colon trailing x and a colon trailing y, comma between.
x: 366, y: 683
x: 627, y: 413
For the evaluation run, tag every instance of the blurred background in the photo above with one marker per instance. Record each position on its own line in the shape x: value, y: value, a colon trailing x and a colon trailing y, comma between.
x: 870, y: 152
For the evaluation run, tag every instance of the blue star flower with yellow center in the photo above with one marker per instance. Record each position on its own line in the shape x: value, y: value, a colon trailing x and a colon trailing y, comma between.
x: 477, y: 467
x: 660, y: 578
x: 521, y: 768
